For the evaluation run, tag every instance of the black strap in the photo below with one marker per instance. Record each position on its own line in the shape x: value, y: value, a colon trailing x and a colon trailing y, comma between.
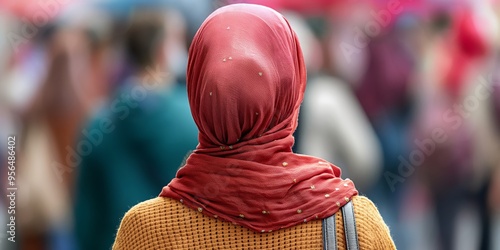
x: 351, y: 235
x: 329, y: 233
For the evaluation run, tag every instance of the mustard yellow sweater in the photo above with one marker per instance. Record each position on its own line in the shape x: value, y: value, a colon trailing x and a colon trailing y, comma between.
x: 163, y: 223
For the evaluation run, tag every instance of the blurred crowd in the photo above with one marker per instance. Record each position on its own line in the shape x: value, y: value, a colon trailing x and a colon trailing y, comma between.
x: 403, y: 95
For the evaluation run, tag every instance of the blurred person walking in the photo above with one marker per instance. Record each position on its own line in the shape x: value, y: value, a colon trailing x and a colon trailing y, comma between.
x: 456, y: 166
x: 384, y: 94
x: 138, y: 141
x: 333, y: 125
x: 45, y: 95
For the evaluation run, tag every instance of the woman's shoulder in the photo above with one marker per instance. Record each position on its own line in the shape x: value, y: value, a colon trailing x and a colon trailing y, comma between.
x: 363, y: 204
x: 366, y: 213
x: 372, y: 231
x: 155, y: 209
x: 144, y: 225
x: 152, y: 205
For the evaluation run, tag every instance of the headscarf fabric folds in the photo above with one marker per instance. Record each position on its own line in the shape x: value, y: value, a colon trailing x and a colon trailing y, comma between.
x: 246, y: 80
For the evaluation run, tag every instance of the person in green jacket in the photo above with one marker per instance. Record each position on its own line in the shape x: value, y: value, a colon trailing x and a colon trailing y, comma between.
x: 138, y: 141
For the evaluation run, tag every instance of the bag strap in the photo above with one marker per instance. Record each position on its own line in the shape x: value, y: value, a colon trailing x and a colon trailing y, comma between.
x: 351, y: 235
x: 329, y: 233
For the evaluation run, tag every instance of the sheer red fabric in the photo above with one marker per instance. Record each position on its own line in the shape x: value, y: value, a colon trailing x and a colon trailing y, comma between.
x: 246, y: 79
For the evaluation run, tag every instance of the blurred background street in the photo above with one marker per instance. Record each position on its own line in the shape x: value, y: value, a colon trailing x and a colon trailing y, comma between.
x: 402, y: 95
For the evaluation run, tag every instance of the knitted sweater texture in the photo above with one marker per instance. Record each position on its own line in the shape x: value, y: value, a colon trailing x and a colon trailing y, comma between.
x: 163, y: 223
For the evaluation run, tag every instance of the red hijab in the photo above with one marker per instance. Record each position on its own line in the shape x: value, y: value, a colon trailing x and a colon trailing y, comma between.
x: 246, y: 79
